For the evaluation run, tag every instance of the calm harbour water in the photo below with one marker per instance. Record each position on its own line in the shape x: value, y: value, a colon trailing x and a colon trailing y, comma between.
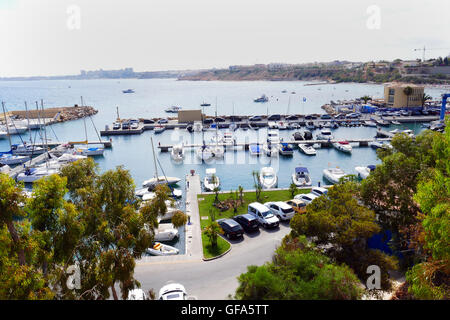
x: 150, y: 99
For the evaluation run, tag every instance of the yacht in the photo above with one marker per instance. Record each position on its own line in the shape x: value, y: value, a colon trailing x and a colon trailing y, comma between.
x: 197, y: 127
x: 26, y: 150
x: 282, y: 125
x: 211, y: 181
x: 68, y: 157
x: 308, y: 150
x: 4, y: 168
x: 10, y: 159
x: 255, y: 149
x: 128, y: 91
x: 32, y: 174
x: 298, y: 136
x: 173, y: 109
x: 263, y: 98
x: 325, y: 134
x: 370, y: 123
x: 286, y: 149
x: 165, y: 232
x: 301, y: 177
x: 177, y: 152
x: 343, y: 146
x: 377, y: 144
x: 205, y: 153
x: 159, y: 249
x: 333, y: 174
x: 153, y: 182
x: 268, y: 178
x: 363, y: 172
x: 159, y: 129
x: 94, y: 151
x: 13, y: 129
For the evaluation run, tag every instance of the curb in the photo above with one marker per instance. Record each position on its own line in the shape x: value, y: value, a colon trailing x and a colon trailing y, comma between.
x: 220, y: 255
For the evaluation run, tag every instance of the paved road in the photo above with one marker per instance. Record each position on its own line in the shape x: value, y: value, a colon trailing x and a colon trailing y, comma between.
x: 214, y: 279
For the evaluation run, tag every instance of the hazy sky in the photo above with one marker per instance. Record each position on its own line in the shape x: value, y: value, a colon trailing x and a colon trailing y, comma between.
x: 41, y: 37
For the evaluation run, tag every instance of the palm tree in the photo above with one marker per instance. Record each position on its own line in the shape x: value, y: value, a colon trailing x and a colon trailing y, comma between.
x: 212, y: 230
x: 407, y: 91
x: 257, y: 185
x: 241, y: 194
x: 292, y: 189
x: 425, y: 98
x: 366, y: 98
x: 216, y: 191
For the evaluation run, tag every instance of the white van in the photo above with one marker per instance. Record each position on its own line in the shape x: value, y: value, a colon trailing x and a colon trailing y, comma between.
x: 281, y: 209
x: 263, y: 214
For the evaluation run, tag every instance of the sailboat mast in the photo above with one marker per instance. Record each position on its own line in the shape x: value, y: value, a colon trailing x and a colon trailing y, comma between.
x: 154, y: 160
x: 84, y: 121
x: 45, y: 133
x: 28, y: 121
x: 6, y: 124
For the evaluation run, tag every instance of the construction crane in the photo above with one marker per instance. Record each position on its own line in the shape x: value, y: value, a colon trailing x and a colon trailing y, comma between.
x: 425, y: 49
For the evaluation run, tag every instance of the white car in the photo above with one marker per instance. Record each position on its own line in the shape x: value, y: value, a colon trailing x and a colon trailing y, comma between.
x: 281, y: 209
x: 263, y: 214
x: 173, y: 291
x: 307, y: 198
x: 319, y: 191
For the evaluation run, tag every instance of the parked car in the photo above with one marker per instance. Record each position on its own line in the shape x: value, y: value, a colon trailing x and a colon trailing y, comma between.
x: 218, y: 119
x: 231, y: 229
x: 255, y: 118
x: 298, y: 205
x: 281, y: 209
x: 116, y: 125
x: 235, y: 119
x: 208, y: 121
x: 173, y: 291
x: 125, y: 125
x: 308, y: 197
x: 263, y: 214
x: 274, y: 117
x: 160, y: 121
x: 292, y: 117
x: 248, y: 222
x: 319, y: 191
x: 325, y: 116
x: 149, y: 121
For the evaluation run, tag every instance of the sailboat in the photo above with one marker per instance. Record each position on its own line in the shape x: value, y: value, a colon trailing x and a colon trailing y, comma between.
x: 157, y: 180
x: 88, y: 151
x: 218, y: 150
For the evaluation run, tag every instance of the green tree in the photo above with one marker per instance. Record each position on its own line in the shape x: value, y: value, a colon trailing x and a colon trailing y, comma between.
x: 366, y: 98
x: 179, y: 219
x: 425, y: 98
x: 213, y: 230
x: 341, y: 227
x: 241, y: 193
x: 257, y: 184
x: 298, y: 271
x: 292, y: 189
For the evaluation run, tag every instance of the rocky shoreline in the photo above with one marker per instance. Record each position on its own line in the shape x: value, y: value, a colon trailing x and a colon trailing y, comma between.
x: 61, y: 114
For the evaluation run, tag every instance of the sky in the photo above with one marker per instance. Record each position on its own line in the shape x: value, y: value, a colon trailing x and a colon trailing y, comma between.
x: 62, y: 37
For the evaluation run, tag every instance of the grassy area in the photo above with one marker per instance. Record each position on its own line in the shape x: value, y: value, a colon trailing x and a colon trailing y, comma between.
x: 209, y: 252
x: 205, y: 203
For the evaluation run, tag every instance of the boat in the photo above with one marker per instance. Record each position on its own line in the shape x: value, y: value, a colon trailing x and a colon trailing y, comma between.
x: 7, y: 158
x: 177, y: 153
x: 229, y: 139
x: 255, y: 150
x: 4, y: 134
x: 13, y: 129
x: 137, y: 294
x: 382, y: 123
x: 217, y: 151
x: 173, y: 109
x: 310, y: 125
x: 92, y: 152
x: 30, y: 175
x: 153, y: 182
x: 333, y: 175
x: 268, y: 178
x: 26, y: 149
x: 394, y: 131
x: 190, y: 128
x: 159, y: 129
x: 307, y: 135
x: 286, y: 149
x: 128, y: 91
x: 233, y: 126
x: 4, y: 168
x: 211, y: 181
x: 395, y: 122
x: 325, y: 134
x: 283, y: 91
x: 363, y: 172
x: 343, y: 146
x: 272, y: 125
x: 298, y: 136
x: 205, y: 153
x: 197, y: 126
x: 282, y: 125
x: 68, y: 157
x: 263, y: 98
x: 301, y: 177
x: 205, y: 104
x: 308, y: 150
x: 377, y: 144
x: 159, y: 249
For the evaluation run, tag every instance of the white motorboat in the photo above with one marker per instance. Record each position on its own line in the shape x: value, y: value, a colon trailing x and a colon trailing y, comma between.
x: 233, y: 126
x: 9, y: 159
x: 268, y: 178
x: 4, y: 168
x: 286, y: 149
x: 198, y: 126
x: 159, y: 129
x: 218, y: 151
x: 177, y: 193
x: 343, y: 146
x: 173, y: 109
x: 395, y: 122
x: 211, y: 181
x: 282, y: 125
x: 92, y: 152
x: 380, y: 144
x: 159, y: 249
x: 394, y: 131
x: 325, y: 134
x: 255, y: 149
x: 272, y: 125
x: 144, y: 193
x: 301, y: 177
x: 153, y: 182
x: 26, y: 150
x: 3, y: 134
x: 333, y: 174
x: 205, y: 153
x: 68, y: 157
x: 308, y: 150
x: 369, y: 123
x: 32, y: 174
x: 165, y: 232
x: 364, y: 172
x: 177, y: 153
